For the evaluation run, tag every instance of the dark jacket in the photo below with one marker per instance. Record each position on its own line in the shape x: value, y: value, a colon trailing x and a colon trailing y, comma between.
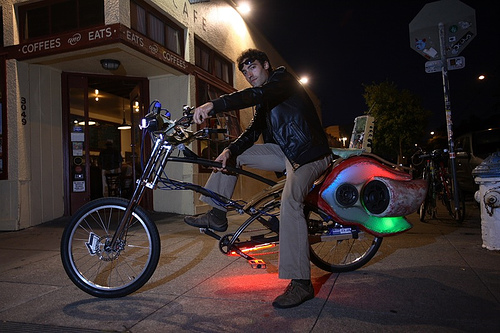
x: 284, y: 115
x: 110, y: 159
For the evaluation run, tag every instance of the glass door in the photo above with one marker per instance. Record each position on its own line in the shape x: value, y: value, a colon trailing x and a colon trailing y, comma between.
x: 103, y: 141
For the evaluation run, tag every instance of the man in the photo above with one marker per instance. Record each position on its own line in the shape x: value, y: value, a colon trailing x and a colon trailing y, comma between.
x: 110, y: 161
x: 110, y: 158
x: 294, y: 141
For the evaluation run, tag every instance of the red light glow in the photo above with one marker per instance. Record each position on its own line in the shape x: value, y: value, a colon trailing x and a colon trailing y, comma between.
x: 254, y: 248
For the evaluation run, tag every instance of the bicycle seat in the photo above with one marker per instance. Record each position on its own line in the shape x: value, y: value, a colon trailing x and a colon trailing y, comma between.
x: 347, y: 152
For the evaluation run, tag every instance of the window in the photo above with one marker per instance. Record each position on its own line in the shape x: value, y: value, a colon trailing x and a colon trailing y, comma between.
x: 63, y: 15
x: 44, y: 18
x: 226, y: 120
x: 214, y: 79
x: 212, y: 62
x: 149, y: 22
x: 156, y: 29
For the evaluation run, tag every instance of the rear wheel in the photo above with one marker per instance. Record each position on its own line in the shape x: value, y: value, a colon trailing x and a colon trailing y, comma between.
x: 330, y: 253
x: 457, y: 212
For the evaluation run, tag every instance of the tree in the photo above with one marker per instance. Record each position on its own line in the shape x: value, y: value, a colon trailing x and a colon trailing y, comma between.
x: 400, y: 120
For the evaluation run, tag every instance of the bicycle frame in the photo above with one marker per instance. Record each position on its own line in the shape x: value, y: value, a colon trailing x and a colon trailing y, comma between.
x: 154, y: 169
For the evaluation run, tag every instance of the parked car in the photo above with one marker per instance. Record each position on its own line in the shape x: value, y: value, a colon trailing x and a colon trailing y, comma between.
x: 471, y: 149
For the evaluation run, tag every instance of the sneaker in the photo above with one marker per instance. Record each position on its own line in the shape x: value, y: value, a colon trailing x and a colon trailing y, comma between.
x: 295, y: 294
x: 207, y: 220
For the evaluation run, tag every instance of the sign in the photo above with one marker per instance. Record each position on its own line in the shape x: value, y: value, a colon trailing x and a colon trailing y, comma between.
x: 455, y: 63
x: 460, y: 28
x: 56, y: 44
x: 93, y: 37
x: 151, y: 48
x: 433, y: 66
x: 78, y: 186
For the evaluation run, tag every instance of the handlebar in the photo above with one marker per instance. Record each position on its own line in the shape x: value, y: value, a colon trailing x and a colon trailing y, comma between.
x: 158, y: 121
x: 215, y: 130
x: 420, y: 155
x: 155, y: 120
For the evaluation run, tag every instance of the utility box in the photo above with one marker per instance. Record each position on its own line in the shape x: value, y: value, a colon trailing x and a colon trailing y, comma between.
x: 487, y: 176
x: 362, y: 133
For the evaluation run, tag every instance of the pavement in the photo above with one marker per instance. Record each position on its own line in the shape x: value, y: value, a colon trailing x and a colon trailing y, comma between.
x: 436, y: 277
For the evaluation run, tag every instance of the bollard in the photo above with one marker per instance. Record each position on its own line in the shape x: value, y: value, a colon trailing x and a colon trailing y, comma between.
x: 487, y: 176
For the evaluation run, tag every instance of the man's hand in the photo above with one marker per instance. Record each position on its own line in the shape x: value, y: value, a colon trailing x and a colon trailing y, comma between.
x: 201, y: 112
x: 223, y: 158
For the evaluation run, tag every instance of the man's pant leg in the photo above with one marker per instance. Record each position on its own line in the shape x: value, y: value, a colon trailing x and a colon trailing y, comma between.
x: 294, y: 244
x: 266, y: 156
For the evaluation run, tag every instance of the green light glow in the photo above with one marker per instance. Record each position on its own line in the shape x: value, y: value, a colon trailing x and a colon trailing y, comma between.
x: 387, y: 225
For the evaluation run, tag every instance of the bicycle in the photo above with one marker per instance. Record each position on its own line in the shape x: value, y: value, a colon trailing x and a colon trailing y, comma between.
x: 111, y: 247
x: 440, y: 186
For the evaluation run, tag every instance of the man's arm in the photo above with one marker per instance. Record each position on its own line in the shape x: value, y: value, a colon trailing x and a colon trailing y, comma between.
x: 202, y: 112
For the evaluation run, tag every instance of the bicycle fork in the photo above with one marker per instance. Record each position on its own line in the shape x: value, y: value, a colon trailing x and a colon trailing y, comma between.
x: 149, y: 178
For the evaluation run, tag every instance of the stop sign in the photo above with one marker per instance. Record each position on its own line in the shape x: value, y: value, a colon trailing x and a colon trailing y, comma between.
x: 459, y: 28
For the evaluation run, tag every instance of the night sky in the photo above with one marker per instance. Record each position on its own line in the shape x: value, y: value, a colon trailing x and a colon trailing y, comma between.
x: 343, y: 44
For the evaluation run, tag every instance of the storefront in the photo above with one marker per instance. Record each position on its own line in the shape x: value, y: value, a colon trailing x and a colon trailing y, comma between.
x: 69, y: 90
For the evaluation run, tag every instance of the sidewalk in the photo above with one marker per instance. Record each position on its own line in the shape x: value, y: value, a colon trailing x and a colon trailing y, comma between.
x: 434, y: 278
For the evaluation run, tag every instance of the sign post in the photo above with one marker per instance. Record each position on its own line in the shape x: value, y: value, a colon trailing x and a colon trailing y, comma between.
x: 439, y: 32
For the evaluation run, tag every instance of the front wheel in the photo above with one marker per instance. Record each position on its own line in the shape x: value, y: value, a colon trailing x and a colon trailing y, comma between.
x: 426, y: 207
x: 93, y: 265
x: 337, y: 256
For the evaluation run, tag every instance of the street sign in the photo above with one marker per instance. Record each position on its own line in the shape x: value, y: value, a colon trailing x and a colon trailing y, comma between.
x: 460, y: 28
x: 455, y: 63
x: 439, y: 32
x: 433, y: 66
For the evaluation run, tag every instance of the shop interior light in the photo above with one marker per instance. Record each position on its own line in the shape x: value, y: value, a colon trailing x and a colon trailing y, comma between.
x: 124, y: 125
x: 90, y: 123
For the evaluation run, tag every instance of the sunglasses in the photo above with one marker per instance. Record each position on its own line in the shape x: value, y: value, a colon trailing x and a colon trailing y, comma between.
x: 247, y: 61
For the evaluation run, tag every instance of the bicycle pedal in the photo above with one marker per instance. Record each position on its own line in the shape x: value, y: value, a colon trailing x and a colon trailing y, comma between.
x: 257, y: 263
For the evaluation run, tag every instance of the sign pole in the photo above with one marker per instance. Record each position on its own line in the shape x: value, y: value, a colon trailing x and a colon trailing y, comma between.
x: 447, y: 109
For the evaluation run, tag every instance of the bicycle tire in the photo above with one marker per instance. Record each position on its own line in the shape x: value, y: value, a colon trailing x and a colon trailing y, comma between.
x: 99, y: 271
x: 338, y: 256
x: 423, y: 210
x: 457, y: 213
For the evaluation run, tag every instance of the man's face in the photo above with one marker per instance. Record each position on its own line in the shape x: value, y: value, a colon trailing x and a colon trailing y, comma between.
x: 255, y: 73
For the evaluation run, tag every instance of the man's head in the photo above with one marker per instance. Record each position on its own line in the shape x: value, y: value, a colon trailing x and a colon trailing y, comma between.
x: 255, y: 66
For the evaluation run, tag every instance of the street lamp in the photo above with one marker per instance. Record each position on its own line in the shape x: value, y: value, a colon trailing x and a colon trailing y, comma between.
x: 243, y: 8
